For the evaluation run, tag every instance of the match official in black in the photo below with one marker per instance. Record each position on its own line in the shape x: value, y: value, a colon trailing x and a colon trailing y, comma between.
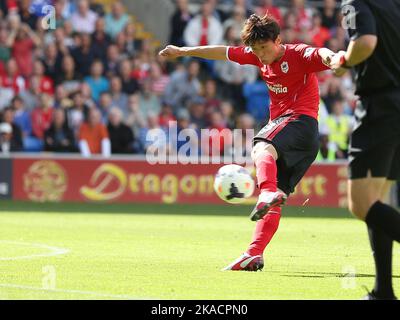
x: 374, y: 151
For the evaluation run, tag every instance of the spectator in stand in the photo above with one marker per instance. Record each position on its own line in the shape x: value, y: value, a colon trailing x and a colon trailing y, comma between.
x: 116, y: 20
x: 93, y: 136
x: 83, y: 54
x: 129, y: 84
x: 120, y: 42
x: 186, y: 141
x: 244, y: 144
x: 113, y: 59
x: 30, y: 95
x: 247, y: 5
x: 105, y: 105
x: 319, y: 34
x: 5, y: 51
x: 159, y: 81
x: 219, y: 142
x: 119, y: 98
x: 69, y: 78
x: 133, y: 45
x: 219, y: 14
x: 22, y: 39
x: 140, y: 70
x: 301, y: 14
x: 15, y: 137
x: 62, y: 99
x: 227, y: 111
x: 4, y: 9
x: 101, y: 40
x: 257, y: 100
x: 198, y: 113
x: 179, y: 21
x: 42, y: 116
x: 52, y: 60
x: 59, y: 137
x: 22, y: 117
x: 69, y: 35
x: 84, y: 19
x: 148, y: 101
x: 12, y: 78
x: 329, y: 13
x: 135, y: 118
x: 232, y: 76
x: 267, y: 6
x: 25, y: 14
x: 60, y: 14
x: 184, y: 86
x: 236, y: 22
x: 86, y: 92
x: 62, y: 43
x: 65, y: 7
x: 166, y: 115
x: 46, y: 83
x: 97, y: 7
x: 212, y: 102
x: 153, y: 138
x: 204, y: 28
x: 121, y: 136
x: 96, y: 81
x: 78, y: 113
x: 339, y: 127
x: 327, y: 150
x: 332, y: 91
x: 7, y: 141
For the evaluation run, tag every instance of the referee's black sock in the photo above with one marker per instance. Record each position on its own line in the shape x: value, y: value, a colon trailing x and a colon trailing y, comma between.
x: 382, y: 247
x: 386, y: 218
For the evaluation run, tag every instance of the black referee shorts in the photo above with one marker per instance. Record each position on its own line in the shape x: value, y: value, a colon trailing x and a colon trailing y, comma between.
x: 295, y: 138
x: 375, y: 140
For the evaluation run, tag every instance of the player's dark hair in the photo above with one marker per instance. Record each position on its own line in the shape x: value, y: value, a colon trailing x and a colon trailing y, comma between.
x: 258, y: 28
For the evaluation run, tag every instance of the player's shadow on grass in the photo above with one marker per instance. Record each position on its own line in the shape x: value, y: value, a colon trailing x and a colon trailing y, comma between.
x: 299, y: 274
x: 176, y: 209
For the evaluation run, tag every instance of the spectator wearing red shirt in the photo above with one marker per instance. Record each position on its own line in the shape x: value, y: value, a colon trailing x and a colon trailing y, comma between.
x: 23, y: 40
x: 46, y: 83
x: 166, y: 115
x: 12, y: 78
x: 319, y: 34
x: 267, y: 6
x: 42, y: 116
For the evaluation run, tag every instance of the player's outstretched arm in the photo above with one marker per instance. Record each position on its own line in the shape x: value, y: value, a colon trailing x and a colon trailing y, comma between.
x: 205, y: 52
x: 326, y: 55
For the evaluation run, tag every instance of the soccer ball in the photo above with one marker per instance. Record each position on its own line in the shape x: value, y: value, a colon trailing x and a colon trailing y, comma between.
x: 233, y: 183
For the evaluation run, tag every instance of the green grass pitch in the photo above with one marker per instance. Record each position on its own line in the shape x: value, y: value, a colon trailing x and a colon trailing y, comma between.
x: 103, y: 251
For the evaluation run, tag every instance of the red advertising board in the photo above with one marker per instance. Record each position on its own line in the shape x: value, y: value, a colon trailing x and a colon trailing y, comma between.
x: 137, y: 181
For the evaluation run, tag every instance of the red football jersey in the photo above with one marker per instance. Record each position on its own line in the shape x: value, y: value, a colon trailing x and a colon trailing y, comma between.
x: 292, y: 83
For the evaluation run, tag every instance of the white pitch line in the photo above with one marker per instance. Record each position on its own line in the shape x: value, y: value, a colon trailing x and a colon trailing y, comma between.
x: 53, y: 251
x: 91, y: 293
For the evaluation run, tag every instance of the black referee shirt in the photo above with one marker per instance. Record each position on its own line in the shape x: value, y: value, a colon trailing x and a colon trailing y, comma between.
x: 381, y: 71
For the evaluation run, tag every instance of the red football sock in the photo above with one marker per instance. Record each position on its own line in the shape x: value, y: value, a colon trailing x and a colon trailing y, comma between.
x: 266, y: 173
x: 265, y: 230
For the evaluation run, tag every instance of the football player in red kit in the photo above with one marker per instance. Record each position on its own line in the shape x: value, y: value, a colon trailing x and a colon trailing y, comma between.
x: 286, y: 147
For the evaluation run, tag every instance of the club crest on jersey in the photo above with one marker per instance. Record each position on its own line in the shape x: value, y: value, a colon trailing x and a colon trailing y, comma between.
x: 284, y: 66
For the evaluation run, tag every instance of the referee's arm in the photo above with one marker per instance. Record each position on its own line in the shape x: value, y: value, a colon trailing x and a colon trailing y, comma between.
x: 363, y: 39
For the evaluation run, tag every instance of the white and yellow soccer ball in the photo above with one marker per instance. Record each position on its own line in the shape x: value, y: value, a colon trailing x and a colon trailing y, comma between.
x: 233, y: 183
